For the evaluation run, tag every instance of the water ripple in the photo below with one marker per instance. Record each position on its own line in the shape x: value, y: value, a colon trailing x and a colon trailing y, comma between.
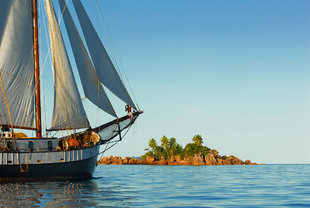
x: 170, y: 186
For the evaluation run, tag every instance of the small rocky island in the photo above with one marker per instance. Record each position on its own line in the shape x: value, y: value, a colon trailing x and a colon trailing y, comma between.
x: 172, y: 153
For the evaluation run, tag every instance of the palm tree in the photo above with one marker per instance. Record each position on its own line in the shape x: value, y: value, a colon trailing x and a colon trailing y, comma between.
x: 165, y: 144
x: 197, y: 139
x: 172, y: 146
x: 152, y: 144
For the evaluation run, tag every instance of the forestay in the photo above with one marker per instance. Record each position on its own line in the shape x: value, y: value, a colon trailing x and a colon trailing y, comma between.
x: 92, y: 87
x: 68, y: 110
x: 102, y: 62
x: 17, y: 63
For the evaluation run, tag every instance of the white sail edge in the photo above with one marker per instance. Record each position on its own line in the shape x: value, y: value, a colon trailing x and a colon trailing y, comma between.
x: 105, y: 69
x: 17, y: 63
x: 68, y: 110
x: 92, y: 87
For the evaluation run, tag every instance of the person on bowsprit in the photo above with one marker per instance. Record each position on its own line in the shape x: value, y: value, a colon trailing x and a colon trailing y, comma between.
x: 128, y: 108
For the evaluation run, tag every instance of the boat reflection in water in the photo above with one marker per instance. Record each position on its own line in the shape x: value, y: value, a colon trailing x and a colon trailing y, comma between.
x: 52, y: 194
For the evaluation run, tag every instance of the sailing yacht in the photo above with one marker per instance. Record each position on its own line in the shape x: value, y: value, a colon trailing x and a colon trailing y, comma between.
x: 70, y: 156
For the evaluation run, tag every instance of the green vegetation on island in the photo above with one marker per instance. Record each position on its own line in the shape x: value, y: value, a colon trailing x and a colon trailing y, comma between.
x: 169, y: 152
x: 169, y: 148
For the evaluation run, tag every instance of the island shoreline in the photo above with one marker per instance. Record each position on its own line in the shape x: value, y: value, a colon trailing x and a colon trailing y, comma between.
x: 211, y: 159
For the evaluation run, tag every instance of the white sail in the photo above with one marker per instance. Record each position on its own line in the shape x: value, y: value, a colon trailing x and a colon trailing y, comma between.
x: 102, y: 62
x: 68, y: 110
x: 92, y: 87
x: 5, y: 6
x: 17, y: 63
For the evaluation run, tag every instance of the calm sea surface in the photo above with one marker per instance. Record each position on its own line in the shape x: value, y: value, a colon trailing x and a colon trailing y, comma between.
x: 170, y: 186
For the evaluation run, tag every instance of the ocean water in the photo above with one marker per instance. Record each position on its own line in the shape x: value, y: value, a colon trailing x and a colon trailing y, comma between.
x: 170, y: 186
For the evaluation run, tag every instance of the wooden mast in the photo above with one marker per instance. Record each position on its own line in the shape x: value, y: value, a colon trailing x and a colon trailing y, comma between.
x: 36, y: 69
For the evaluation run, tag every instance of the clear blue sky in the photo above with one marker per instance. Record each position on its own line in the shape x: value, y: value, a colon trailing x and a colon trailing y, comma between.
x: 236, y: 72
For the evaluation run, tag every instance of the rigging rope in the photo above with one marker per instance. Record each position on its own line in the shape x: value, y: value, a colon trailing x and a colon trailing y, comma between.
x: 114, y: 54
x: 8, y: 107
x: 107, y: 147
x: 6, y: 120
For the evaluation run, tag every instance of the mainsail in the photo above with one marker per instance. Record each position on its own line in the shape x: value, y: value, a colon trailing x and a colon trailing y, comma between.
x: 102, y: 62
x: 68, y: 109
x: 92, y: 87
x: 17, y: 63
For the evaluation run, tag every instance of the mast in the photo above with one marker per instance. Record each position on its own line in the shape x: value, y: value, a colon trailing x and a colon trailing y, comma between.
x: 36, y: 69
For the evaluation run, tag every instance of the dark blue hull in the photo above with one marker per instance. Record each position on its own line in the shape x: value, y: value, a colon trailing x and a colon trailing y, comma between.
x: 81, y: 169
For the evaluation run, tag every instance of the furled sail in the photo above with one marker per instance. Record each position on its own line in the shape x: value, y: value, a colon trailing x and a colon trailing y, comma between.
x: 102, y: 62
x: 92, y: 87
x: 16, y: 63
x: 68, y: 110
